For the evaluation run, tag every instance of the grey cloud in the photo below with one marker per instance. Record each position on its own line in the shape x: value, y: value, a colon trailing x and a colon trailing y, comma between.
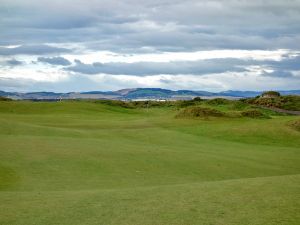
x: 13, y: 62
x: 279, y: 73
x: 154, y: 68
x: 134, y: 26
x: 74, y: 83
x: 165, y: 25
x: 32, y: 50
x: 55, y: 61
x: 286, y: 64
x: 281, y: 68
x: 12, y: 84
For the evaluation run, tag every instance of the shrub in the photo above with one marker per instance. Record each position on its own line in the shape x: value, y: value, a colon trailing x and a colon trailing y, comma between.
x: 271, y: 94
x: 5, y: 99
x: 197, y: 99
x: 194, y: 112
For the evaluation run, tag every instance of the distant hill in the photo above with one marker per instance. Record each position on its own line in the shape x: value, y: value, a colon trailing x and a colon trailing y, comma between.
x: 248, y: 94
x: 137, y: 93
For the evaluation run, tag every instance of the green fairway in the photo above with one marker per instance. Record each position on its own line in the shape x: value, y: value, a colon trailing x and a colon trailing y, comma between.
x: 84, y: 162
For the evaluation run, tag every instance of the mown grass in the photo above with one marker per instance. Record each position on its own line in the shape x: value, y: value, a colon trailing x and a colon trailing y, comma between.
x: 85, y: 162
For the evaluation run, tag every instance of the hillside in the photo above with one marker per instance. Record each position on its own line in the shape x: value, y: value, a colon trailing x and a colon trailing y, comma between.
x: 137, y: 93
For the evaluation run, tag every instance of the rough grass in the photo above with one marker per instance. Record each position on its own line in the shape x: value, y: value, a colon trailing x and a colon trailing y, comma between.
x: 290, y: 102
x: 254, y: 113
x: 198, y: 112
x: 81, y: 162
x: 218, y: 101
x: 135, y: 104
x: 295, y: 124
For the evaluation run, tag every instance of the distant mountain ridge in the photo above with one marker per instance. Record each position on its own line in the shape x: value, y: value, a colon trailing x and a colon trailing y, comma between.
x: 137, y: 94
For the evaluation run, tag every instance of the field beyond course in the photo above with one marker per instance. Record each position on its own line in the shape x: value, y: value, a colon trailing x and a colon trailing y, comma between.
x: 90, y: 163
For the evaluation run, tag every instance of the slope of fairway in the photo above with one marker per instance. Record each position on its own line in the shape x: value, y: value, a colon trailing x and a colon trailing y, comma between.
x: 269, y: 200
x: 92, y: 163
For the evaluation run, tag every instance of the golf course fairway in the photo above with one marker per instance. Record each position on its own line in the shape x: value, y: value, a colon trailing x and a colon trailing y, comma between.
x: 88, y: 163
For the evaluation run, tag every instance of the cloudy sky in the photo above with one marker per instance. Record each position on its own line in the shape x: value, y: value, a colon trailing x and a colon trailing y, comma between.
x: 80, y: 45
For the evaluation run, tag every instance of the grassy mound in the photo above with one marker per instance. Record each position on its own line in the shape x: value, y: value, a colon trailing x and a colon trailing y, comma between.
x: 290, y: 102
x: 254, y: 113
x: 194, y: 112
x: 295, y: 124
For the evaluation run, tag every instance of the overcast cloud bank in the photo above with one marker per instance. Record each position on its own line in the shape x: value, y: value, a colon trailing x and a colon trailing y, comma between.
x: 209, y: 45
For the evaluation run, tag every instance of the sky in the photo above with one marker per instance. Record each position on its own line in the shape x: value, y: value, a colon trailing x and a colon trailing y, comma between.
x: 216, y: 45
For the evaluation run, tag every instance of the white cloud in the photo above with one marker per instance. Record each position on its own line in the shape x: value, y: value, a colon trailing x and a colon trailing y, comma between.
x: 107, y: 56
x: 46, y: 74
